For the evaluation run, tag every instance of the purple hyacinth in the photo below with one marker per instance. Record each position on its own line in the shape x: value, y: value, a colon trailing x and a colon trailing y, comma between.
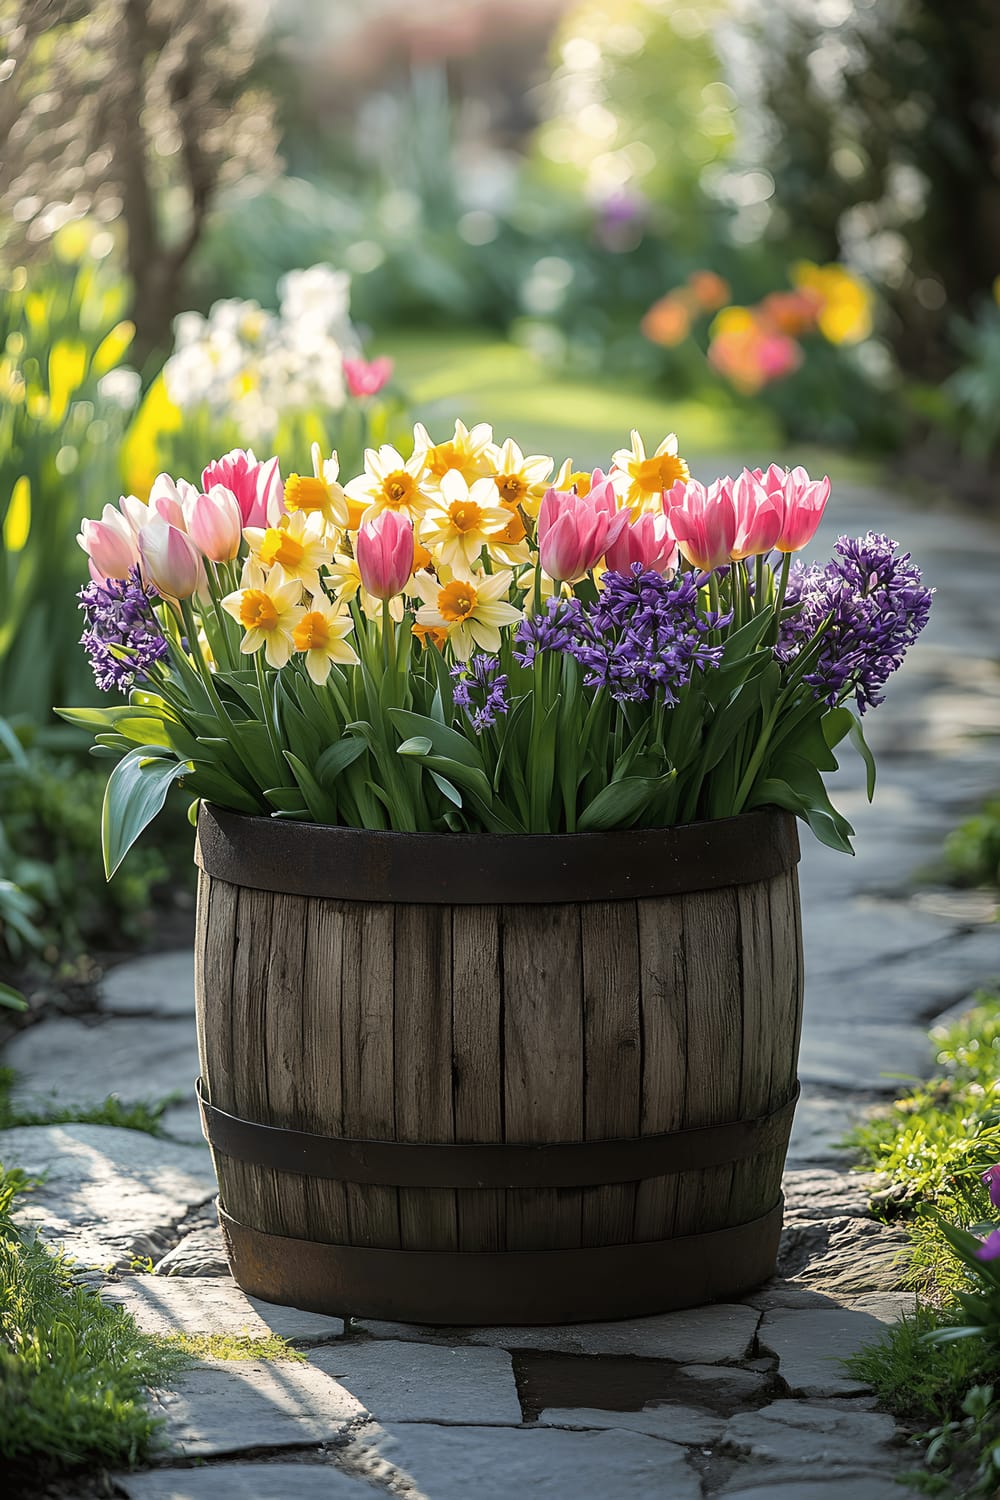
x: 871, y: 605
x: 119, y: 613
x: 481, y: 690
x: 644, y: 634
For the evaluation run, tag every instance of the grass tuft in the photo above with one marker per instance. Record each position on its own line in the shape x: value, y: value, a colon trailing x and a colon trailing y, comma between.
x: 73, y: 1372
x: 146, y: 1117
x: 236, y: 1346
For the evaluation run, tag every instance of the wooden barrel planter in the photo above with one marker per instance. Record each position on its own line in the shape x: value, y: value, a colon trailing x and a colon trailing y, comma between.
x: 498, y: 1079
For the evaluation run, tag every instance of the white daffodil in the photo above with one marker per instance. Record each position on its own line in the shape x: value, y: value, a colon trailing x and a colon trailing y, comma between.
x: 391, y: 482
x: 520, y: 481
x: 321, y: 635
x: 460, y: 525
x: 640, y: 481
x: 467, y: 451
x: 471, y: 610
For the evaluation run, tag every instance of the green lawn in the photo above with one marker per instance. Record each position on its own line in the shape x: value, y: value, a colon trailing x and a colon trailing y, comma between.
x: 481, y: 377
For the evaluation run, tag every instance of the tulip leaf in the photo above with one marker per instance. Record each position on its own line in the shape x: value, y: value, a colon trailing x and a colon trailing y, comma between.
x: 337, y: 757
x: 620, y: 804
x: 136, y: 791
x: 444, y: 740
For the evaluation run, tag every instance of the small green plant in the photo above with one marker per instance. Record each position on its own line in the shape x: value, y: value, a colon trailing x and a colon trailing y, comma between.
x: 972, y: 852
x: 964, y: 1454
x: 73, y: 1372
x: 235, y: 1346
x: 143, y: 1116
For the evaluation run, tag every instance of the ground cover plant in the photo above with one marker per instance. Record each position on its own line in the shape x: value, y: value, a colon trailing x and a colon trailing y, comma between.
x: 73, y: 1372
x: 939, y: 1145
x: 463, y: 640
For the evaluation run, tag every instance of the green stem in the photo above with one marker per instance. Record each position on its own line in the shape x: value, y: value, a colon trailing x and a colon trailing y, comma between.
x: 265, y: 706
x: 194, y: 648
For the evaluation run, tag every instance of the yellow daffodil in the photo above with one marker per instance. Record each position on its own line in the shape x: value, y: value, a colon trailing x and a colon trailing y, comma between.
x: 391, y: 483
x: 511, y: 545
x: 468, y: 452
x: 640, y: 481
x: 321, y: 494
x: 461, y: 524
x: 298, y: 545
x: 269, y: 614
x: 320, y: 635
x: 471, y: 610
x: 520, y: 481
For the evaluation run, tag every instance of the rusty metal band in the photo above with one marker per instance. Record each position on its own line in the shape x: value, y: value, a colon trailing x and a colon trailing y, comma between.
x: 457, y: 869
x: 493, y: 1164
x: 503, y: 1287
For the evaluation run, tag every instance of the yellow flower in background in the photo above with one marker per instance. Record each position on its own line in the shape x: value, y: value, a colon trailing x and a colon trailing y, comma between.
x: 298, y: 545
x: 845, y: 311
x: 640, y: 481
x: 471, y: 610
x: 269, y: 614
x: 733, y: 320
x: 320, y: 634
x: 391, y: 482
x: 519, y: 480
x: 461, y: 524
x: 468, y: 452
x: 140, y: 456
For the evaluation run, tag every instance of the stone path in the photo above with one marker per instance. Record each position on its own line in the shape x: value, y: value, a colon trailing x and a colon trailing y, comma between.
x: 748, y: 1401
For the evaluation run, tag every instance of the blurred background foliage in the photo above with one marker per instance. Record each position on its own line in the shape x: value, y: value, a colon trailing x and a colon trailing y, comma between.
x: 761, y: 223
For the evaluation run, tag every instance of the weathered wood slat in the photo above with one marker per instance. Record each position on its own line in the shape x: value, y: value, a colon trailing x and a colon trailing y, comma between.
x: 322, y: 1088
x: 423, y: 1050
x: 281, y: 1065
x: 613, y: 1063
x: 543, y: 1061
x: 368, y: 1070
x: 663, y: 1017
x: 477, y: 1070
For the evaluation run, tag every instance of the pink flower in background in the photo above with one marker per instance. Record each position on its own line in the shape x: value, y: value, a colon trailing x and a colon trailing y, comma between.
x: 384, y: 552
x: 991, y: 1179
x: 170, y: 560
x: 256, y: 485
x: 366, y: 378
x: 703, y: 521
x: 575, y: 531
x: 109, y: 545
x: 214, y: 523
x: 647, y: 540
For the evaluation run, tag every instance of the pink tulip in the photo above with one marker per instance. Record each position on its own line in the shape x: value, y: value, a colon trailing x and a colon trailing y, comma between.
x: 647, y: 540
x: 214, y: 523
x: 759, y: 516
x: 367, y: 379
x: 575, y: 531
x: 703, y: 522
x: 167, y: 497
x: 256, y: 486
x: 109, y: 544
x: 805, y: 500
x: 170, y: 560
x: 384, y: 552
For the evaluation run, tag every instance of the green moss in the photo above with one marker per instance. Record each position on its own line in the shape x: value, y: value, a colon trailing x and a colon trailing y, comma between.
x: 233, y: 1346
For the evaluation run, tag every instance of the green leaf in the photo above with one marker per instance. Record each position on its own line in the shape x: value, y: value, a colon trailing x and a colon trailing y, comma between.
x: 800, y: 790
x: 136, y: 791
x: 836, y: 723
x: 445, y: 741
x: 11, y: 999
x: 861, y: 745
x: 445, y: 787
x: 337, y: 757
x: 620, y: 804
x: 319, y: 802
x: 418, y: 745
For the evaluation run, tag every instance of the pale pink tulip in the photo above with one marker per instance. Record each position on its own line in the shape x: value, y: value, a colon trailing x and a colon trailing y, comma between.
x: 575, y: 531
x: 648, y: 540
x: 255, y: 485
x: 367, y: 379
x: 214, y: 523
x: 704, y: 521
x: 167, y: 497
x: 170, y: 560
x: 759, y: 515
x: 384, y: 553
x: 109, y: 544
x: 805, y: 501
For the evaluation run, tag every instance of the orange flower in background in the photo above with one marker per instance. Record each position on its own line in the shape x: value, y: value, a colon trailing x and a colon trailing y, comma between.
x: 791, y: 313
x: 709, y: 290
x: 667, y: 322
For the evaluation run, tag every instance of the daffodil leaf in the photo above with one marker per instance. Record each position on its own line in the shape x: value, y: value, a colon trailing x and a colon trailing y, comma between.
x: 136, y: 791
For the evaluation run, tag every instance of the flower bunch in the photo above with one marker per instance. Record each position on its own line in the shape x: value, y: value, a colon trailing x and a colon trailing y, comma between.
x: 463, y: 637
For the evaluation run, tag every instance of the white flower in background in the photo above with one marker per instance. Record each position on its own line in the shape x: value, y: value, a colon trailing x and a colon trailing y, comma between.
x: 120, y: 387
x: 248, y: 364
